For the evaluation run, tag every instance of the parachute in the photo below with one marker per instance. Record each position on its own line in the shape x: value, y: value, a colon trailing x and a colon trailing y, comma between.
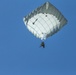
x: 44, y: 21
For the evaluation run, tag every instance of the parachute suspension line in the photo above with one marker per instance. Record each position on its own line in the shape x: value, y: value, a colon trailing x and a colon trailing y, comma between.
x: 45, y: 22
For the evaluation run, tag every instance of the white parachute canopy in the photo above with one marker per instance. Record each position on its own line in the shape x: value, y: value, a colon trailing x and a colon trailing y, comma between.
x: 44, y: 21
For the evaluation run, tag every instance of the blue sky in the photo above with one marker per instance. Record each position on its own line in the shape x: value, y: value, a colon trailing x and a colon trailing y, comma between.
x: 19, y: 49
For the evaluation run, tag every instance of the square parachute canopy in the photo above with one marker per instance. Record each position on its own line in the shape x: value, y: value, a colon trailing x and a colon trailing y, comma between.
x: 45, y: 21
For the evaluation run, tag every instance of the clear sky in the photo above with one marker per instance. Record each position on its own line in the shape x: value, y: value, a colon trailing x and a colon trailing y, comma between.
x: 19, y: 49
